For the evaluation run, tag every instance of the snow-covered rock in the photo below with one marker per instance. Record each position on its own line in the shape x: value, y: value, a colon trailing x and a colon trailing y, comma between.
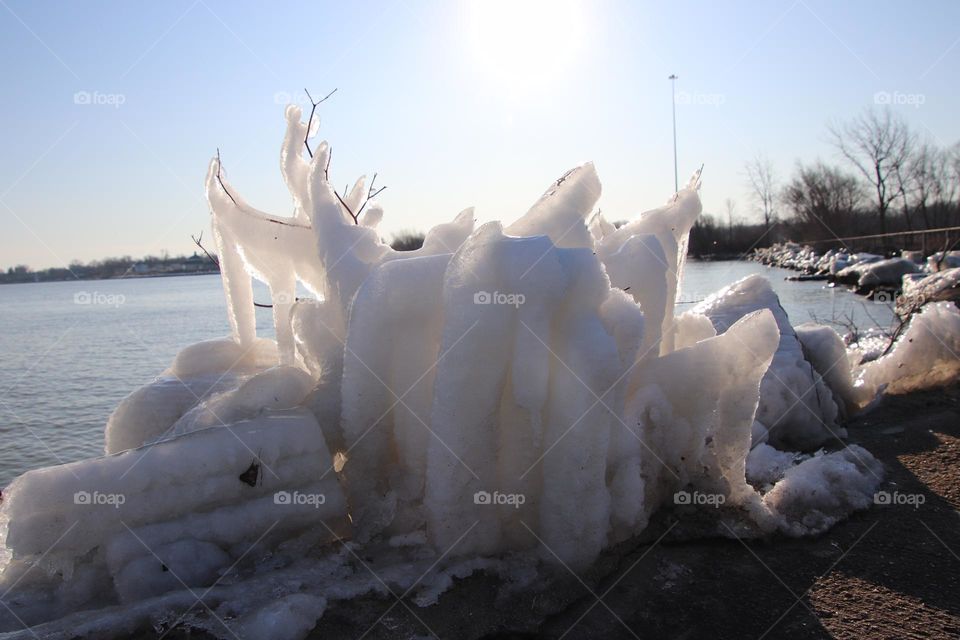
x: 920, y: 289
x: 885, y: 273
x: 938, y: 261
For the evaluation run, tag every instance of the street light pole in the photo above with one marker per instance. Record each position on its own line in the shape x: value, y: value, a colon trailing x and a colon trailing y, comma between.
x: 673, y: 100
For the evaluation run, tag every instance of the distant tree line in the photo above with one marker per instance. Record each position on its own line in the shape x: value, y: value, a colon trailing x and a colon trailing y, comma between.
x: 122, y: 267
x: 889, y: 179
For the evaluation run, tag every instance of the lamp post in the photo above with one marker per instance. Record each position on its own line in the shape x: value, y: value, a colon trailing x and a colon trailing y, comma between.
x: 673, y: 99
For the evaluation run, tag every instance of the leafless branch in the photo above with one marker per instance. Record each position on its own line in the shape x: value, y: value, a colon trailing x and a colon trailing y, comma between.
x: 370, y: 194
x: 313, y: 110
x: 947, y: 246
x: 199, y: 242
x: 356, y: 219
x: 220, y: 179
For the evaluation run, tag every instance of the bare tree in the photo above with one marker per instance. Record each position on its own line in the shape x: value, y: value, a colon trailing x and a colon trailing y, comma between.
x: 878, y: 144
x: 731, y: 207
x: 928, y: 185
x: 823, y: 197
x: 763, y: 187
x: 917, y: 182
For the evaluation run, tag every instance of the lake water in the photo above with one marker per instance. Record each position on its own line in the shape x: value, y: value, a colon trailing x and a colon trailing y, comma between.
x: 70, y: 351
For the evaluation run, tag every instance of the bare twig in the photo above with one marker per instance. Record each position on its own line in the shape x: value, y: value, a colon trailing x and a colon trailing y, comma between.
x: 220, y: 180
x: 370, y: 194
x: 947, y: 246
x: 199, y: 242
x: 313, y: 110
x: 347, y: 208
x: 904, y: 321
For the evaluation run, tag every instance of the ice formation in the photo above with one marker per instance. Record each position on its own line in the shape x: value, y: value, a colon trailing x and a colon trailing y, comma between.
x: 924, y: 356
x: 827, y: 354
x: 919, y: 289
x: 505, y: 395
x: 796, y: 405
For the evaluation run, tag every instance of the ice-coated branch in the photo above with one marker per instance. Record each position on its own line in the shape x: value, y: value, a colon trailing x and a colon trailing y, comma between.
x: 353, y: 195
x: 313, y: 110
x: 220, y: 179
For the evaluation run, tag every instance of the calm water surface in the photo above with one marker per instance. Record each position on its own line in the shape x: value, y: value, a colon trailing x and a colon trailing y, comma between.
x: 70, y: 351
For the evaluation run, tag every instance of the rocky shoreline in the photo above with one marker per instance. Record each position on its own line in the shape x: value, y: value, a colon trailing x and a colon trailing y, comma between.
x: 908, y: 280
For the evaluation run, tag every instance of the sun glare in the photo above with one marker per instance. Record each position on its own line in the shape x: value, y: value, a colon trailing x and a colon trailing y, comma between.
x: 521, y: 45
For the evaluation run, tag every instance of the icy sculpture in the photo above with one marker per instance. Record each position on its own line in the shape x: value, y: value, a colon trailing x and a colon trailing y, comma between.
x: 281, y: 251
x: 524, y: 389
x: 796, y: 405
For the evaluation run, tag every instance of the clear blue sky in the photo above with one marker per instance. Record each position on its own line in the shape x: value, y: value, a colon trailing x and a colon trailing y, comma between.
x: 454, y: 104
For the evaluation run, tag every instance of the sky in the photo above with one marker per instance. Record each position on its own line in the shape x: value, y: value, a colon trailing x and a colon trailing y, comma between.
x: 111, y: 111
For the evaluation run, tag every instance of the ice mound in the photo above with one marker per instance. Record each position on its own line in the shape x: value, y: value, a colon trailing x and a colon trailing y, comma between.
x: 824, y: 349
x: 919, y: 289
x: 198, y: 371
x: 940, y: 261
x: 766, y: 465
x: 822, y: 490
x: 173, y: 514
x: 796, y: 405
x: 885, y: 273
x: 923, y: 357
x: 504, y: 396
